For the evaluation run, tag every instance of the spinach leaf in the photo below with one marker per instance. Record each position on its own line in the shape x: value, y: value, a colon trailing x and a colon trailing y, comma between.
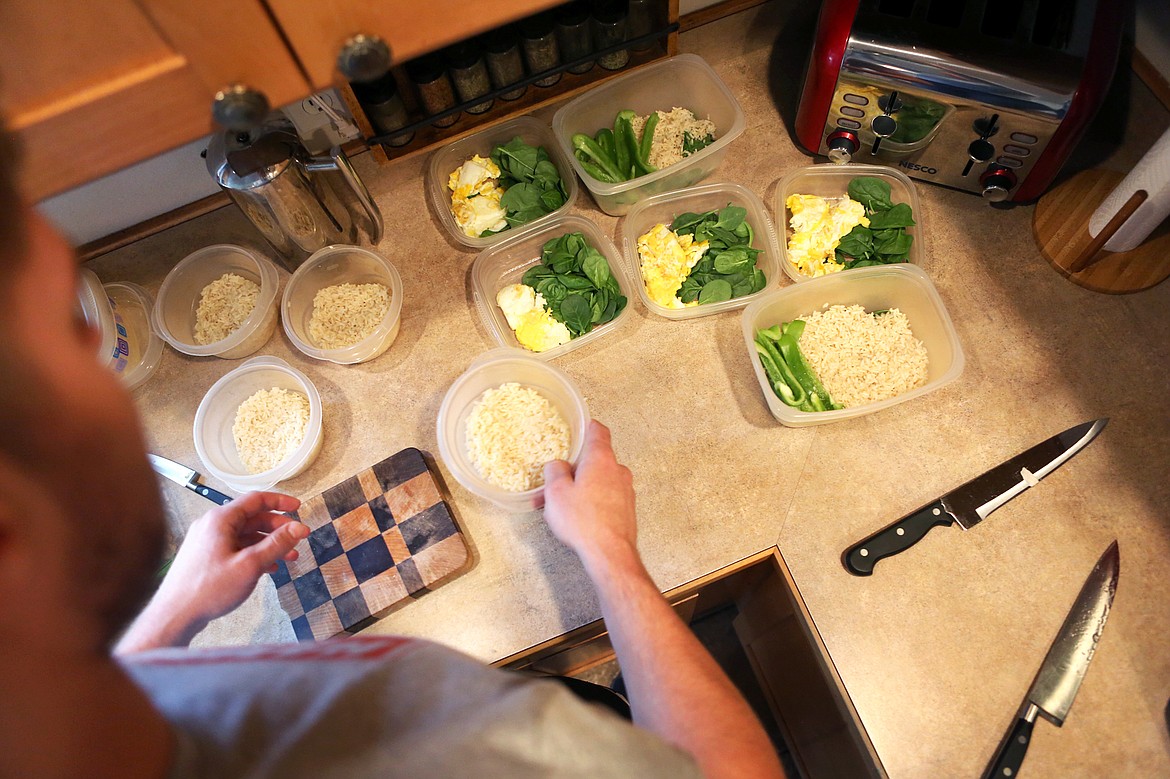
x: 857, y: 243
x: 873, y: 193
x: 532, y: 186
x: 576, y: 314
x: 897, y: 244
x: 715, y: 291
x: 729, y: 258
x: 596, y: 268
x: 895, y: 216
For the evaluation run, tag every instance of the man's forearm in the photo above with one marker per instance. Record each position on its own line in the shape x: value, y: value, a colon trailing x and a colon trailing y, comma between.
x: 676, y: 689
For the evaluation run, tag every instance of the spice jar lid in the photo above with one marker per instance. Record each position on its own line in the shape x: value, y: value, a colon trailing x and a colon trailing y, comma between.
x: 573, y: 14
x: 376, y: 92
x: 610, y: 11
x: 427, y: 68
x: 462, y: 55
x: 537, y: 26
x: 500, y: 40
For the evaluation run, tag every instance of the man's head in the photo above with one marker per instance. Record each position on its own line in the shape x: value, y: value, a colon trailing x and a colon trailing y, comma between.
x: 80, y: 521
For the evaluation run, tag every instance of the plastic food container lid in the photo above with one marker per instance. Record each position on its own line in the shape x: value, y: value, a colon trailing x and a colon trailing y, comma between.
x: 328, y: 267
x: 876, y: 287
x: 505, y: 263
x: 100, y: 314
x: 216, y: 414
x: 829, y: 180
x: 535, y: 133
x: 145, y: 348
x: 488, y: 371
x: 705, y: 197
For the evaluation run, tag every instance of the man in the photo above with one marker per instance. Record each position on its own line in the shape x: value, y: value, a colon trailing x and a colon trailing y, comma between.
x: 80, y: 537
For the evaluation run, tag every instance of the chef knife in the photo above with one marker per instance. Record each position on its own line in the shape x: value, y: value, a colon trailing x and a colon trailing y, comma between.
x: 971, y: 503
x: 181, y: 474
x: 1064, y: 667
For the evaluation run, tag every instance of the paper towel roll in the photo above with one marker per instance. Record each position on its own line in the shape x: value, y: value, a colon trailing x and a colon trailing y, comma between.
x: 1152, y: 173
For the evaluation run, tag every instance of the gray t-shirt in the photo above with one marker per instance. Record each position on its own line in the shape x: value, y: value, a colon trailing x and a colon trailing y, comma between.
x: 380, y: 706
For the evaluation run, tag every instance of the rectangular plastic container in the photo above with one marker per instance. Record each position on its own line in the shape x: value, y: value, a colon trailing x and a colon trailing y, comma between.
x: 534, y: 132
x: 833, y: 181
x: 685, y: 81
x: 877, y: 287
x: 705, y: 197
x: 505, y: 263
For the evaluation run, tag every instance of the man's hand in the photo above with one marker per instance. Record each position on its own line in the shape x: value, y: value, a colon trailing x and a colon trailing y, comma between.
x: 592, y: 510
x: 225, y: 553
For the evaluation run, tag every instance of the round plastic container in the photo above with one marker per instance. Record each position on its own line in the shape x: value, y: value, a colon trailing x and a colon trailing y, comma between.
x: 217, y: 413
x: 662, y: 209
x: 330, y: 266
x: 488, y: 371
x: 876, y: 287
x: 178, y: 299
x: 144, y: 347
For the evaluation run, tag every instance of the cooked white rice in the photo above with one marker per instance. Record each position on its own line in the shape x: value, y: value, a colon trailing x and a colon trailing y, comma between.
x: 224, y: 304
x: 269, y: 427
x: 512, y: 432
x: 344, y: 314
x: 861, y: 358
x: 667, y: 146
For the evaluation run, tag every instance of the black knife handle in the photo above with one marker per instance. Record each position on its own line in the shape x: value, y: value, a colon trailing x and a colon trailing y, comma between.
x: 1010, y: 757
x: 906, y: 532
x: 215, y: 496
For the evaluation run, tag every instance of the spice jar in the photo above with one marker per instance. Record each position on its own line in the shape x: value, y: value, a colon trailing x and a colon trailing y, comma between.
x: 469, y: 74
x: 639, y: 22
x: 502, y: 51
x: 609, y: 29
x: 433, y: 87
x: 574, y: 35
x: 383, y: 107
x: 540, y: 47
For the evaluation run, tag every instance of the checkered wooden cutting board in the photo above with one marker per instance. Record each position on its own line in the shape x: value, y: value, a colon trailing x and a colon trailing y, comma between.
x: 375, y: 540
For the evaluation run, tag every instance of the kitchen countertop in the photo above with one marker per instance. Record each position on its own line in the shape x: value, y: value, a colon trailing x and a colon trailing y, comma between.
x: 937, y: 649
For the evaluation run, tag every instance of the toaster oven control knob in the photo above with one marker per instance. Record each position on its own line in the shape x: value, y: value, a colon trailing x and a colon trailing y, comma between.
x: 884, y: 126
x: 842, y: 146
x: 239, y: 108
x: 981, y: 150
x: 997, y: 183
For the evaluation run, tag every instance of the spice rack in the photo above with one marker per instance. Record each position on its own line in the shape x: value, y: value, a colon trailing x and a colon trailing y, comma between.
x: 660, y: 43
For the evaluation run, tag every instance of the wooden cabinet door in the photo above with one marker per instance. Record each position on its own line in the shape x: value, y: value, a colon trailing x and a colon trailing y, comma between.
x: 317, y: 30
x: 91, y: 87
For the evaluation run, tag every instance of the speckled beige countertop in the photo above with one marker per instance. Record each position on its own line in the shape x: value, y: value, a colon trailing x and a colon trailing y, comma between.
x: 937, y: 649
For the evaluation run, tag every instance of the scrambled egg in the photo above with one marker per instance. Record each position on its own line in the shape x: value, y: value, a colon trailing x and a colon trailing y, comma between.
x: 667, y: 260
x: 525, y: 310
x: 475, y: 196
x: 818, y: 225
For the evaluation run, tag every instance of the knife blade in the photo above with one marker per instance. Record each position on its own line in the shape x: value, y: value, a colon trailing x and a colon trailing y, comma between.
x: 969, y: 504
x: 1063, y: 669
x: 181, y: 474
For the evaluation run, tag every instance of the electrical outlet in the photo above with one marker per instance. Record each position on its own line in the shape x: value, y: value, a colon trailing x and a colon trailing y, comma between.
x: 322, y: 121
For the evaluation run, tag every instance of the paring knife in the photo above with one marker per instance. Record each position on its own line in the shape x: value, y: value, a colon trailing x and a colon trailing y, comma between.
x: 181, y: 474
x: 971, y: 503
x: 1064, y: 667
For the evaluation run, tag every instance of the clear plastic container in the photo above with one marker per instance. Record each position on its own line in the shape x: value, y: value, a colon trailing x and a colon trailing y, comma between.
x: 876, y: 287
x: 705, y: 197
x: 488, y: 371
x: 173, y: 316
x: 505, y: 263
x: 328, y: 267
x: 144, y: 347
x: 216, y: 414
x: 533, y: 132
x: 831, y: 180
x: 101, y: 315
x: 685, y: 81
